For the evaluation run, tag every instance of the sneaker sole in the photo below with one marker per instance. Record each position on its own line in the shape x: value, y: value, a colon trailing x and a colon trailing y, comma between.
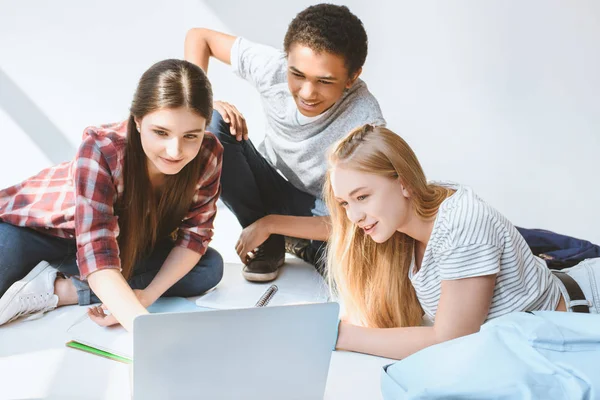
x: 268, y: 277
x: 16, y: 287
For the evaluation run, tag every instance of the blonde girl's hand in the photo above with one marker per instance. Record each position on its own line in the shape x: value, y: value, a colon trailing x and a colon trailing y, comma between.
x: 234, y: 118
x: 99, y: 316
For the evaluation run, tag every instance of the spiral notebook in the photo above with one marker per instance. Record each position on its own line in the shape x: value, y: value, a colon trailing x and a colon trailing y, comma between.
x: 267, y: 296
x: 297, y: 283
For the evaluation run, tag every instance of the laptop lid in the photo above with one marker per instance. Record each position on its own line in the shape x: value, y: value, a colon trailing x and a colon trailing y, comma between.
x: 255, y: 353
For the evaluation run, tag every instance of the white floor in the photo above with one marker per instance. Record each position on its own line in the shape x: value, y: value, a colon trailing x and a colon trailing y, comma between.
x: 34, y: 362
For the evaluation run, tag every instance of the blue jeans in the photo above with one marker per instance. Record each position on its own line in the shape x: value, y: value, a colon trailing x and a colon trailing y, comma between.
x: 587, y: 275
x: 252, y: 188
x: 21, y: 249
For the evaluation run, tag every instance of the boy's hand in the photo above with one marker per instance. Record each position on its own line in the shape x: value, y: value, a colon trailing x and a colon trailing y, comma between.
x: 234, y: 118
x: 251, y: 237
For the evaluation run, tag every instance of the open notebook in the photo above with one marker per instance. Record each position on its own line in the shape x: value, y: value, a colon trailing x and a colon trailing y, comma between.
x: 115, y: 342
x: 297, y: 283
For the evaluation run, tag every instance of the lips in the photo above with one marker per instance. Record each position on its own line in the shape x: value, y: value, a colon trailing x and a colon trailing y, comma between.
x: 308, y: 104
x: 170, y: 161
x: 369, y: 228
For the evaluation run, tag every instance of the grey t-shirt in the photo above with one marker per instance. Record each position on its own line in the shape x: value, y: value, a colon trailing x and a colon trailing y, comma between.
x: 298, y: 148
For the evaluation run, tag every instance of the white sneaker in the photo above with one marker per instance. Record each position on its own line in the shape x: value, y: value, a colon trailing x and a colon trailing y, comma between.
x: 32, y: 295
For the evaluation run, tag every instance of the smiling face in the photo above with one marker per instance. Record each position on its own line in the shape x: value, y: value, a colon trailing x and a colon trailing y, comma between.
x: 378, y: 205
x: 316, y: 80
x: 171, y: 138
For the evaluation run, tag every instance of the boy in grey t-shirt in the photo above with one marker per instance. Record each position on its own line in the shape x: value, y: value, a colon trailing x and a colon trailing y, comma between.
x: 312, y: 97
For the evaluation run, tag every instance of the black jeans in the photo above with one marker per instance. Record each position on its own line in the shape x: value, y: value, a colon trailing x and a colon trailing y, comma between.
x: 252, y: 188
x: 21, y: 249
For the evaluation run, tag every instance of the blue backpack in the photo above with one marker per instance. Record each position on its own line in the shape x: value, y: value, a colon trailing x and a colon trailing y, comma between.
x: 559, y: 251
x: 543, y: 355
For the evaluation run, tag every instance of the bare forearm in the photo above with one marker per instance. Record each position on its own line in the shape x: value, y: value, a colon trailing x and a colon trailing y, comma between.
x: 113, y: 290
x: 201, y: 44
x: 453, y: 320
x: 179, y: 262
x: 396, y: 343
x: 196, y: 48
x: 315, y: 228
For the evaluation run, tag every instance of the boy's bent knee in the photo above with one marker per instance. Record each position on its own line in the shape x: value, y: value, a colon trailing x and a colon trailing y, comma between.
x: 220, y: 128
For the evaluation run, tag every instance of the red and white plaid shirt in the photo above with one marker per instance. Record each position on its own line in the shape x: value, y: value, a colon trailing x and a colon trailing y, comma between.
x: 75, y: 199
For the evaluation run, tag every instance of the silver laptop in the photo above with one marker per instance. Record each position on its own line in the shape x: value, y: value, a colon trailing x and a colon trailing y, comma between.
x: 277, y: 352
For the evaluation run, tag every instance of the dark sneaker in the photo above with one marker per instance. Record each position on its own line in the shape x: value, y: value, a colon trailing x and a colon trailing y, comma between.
x: 267, y: 260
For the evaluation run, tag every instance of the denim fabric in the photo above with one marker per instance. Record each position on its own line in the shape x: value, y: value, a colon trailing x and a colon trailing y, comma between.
x: 587, y: 276
x: 21, y: 249
x: 252, y: 188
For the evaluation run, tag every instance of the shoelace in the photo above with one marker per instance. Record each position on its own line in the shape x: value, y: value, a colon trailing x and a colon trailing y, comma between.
x: 259, y: 253
x: 36, y: 305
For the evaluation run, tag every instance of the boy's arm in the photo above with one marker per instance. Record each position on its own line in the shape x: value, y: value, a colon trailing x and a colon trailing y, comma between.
x: 314, y: 228
x: 202, y: 43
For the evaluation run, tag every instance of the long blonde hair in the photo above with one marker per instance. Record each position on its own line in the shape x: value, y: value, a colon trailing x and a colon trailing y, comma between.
x: 371, y: 279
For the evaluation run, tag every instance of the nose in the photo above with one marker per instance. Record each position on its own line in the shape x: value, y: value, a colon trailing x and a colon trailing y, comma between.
x: 354, y: 214
x: 307, y: 91
x: 174, y: 148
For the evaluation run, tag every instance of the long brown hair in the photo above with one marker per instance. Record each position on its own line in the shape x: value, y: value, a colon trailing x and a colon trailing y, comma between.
x: 371, y: 278
x: 145, y: 217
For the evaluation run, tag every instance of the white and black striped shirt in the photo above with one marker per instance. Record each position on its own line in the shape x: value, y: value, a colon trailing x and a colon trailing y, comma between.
x: 470, y: 239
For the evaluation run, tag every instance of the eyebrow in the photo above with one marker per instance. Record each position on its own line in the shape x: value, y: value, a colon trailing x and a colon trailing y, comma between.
x: 168, y: 130
x: 354, y: 191
x: 325, y: 78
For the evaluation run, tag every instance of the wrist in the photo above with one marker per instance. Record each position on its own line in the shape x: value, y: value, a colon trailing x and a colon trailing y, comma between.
x: 337, y: 335
x: 269, y: 225
x: 347, y: 333
x: 150, y: 295
x: 341, y: 335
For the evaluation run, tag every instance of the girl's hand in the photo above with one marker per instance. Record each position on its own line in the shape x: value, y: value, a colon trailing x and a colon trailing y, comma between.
x: 97, y: 314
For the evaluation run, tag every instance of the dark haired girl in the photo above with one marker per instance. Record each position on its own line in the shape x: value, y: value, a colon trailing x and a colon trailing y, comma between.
x: 129, y: 219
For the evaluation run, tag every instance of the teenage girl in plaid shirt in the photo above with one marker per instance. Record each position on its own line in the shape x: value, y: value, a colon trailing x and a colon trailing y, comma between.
x: 129, y: 219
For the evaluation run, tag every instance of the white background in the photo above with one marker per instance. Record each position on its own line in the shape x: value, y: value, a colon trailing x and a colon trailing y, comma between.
x: 500, y: 95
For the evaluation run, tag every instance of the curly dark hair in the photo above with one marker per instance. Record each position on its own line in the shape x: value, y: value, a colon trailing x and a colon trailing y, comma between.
x: 330, y: 28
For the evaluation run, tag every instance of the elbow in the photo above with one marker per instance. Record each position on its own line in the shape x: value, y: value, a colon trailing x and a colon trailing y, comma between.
x: 196, y: 39
x: 193, y: 33
x: 194, y: 36
x: 99, y: 275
